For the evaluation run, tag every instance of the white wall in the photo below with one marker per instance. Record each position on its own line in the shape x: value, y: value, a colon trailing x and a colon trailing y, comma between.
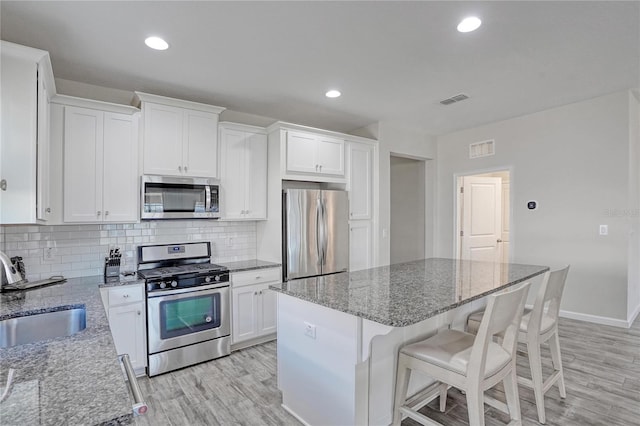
x: 407, y: 209
x: 404, y: 142
x: 574, y: 161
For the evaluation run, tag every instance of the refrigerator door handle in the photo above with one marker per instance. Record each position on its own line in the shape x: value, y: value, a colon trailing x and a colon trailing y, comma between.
x: 325, y: 239
x: 319, y: 221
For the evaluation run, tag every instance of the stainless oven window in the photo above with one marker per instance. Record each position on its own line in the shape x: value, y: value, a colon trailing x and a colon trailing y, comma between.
x: 189, y: 315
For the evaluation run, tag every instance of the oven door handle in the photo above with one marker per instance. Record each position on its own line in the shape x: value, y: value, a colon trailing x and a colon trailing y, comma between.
x: 179, y: 291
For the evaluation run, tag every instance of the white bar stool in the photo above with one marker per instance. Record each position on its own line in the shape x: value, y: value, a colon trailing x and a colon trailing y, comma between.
x: 538, y: 325
x: 467, y: 362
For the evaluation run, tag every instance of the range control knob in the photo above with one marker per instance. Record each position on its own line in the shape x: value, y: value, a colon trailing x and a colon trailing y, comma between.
x: 163, y: 285
x: 174, y: 283
x: 217, y: 278
x: 207, y: 279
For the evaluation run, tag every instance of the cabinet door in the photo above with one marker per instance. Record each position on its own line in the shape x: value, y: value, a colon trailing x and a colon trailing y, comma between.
x: 200, y: 148
x: 360, y: 180
x: 360, y: 244
x: 128, y: 331
x: 162, y: 139
x: 330, y: 156
x: 18, y: 148
x: 244, y: 325
x: 256, y: 176
x: 120, y: 153
x: 83, y: 167
x: 268, y: 311
x: 301, y: 153
x: 233, y: 174
x: 43, y: 193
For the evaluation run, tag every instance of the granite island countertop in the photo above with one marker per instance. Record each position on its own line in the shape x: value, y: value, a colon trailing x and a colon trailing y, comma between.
x: 68, y: 380
x: 406, y: 293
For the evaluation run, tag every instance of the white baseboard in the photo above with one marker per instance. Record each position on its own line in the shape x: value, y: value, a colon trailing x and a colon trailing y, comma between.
x: 596, y: 319
x: 293, y: 413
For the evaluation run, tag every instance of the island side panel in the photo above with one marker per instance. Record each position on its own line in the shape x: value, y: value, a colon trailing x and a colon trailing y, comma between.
x: 317, y: 376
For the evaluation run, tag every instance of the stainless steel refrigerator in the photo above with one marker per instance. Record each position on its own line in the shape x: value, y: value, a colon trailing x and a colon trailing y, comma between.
x: 315, y: 232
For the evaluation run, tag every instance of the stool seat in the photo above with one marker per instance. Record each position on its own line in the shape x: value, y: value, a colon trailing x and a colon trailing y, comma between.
x: 451, y: 349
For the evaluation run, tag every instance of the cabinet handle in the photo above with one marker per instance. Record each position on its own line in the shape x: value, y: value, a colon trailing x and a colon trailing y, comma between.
x: 125, y: 295
x: 3, y: 184
x: 316, y: 167
x: 48, y: 210
x: 106, y: 213
x: 260, y: 292
x: 320, y: 168
x: 180, y: 169
x: 99, y: 213
x: 139, y: 313
x: 255, y: 293
x: 185, y: 169
x: 258, y: 277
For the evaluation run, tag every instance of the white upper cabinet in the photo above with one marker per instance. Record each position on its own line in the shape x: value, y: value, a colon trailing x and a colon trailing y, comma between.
x: 26, y: 85
x: 314, y: 155
x: 180, y: 138
x: 360, y: 180
x: 100, y: 165
x: 243, y: 178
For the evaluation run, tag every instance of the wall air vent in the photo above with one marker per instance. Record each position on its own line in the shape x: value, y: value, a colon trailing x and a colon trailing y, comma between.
x: 454, y: 99
x: 482, y: 149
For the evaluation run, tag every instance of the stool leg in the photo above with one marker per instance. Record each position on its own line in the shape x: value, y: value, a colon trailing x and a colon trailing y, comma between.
x: 402, y: 383
x: 511, y: 392
x: 535, y: 364
x: 475, y: 405
x: 443, y: 396
x: 554, y: 345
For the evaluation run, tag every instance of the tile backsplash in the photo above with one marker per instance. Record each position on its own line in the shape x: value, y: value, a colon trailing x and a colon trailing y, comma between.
x: 79, y: 250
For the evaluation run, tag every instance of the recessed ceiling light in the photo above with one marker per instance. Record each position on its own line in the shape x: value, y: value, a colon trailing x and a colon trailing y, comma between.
x: 469, y: 24
x: 156, y: 43
x: 333, y: 94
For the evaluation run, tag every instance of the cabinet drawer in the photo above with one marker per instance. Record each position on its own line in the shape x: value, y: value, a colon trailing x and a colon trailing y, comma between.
x: 256, y: 276
x: 125, y: 294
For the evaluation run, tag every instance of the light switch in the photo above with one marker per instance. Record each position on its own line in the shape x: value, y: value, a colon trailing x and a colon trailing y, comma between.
x: 604, y: 229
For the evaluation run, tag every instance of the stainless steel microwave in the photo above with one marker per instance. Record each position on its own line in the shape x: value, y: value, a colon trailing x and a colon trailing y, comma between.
x: 166, y: 197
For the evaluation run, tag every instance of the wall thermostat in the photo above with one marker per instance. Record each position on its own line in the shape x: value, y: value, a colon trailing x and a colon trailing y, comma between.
x: 531, y: 205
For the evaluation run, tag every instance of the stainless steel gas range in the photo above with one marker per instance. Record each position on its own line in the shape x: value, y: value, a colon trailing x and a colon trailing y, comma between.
x: 188, y: 318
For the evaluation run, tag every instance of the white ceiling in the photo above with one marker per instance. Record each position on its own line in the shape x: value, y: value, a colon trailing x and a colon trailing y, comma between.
x: 392, y: 60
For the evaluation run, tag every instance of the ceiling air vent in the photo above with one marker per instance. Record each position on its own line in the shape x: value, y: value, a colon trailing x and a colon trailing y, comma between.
x: 482, y: 149
x: 454, y: 99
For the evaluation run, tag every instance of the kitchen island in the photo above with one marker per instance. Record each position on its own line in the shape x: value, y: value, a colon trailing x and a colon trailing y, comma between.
x: 74, y: 380
x: 338, y: 335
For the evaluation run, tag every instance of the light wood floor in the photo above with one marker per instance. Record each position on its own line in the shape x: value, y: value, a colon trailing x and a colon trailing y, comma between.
x: 602, y: 374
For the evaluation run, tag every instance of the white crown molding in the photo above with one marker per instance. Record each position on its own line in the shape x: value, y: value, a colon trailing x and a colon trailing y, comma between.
x: 140, y: 97
x: 93, y: 104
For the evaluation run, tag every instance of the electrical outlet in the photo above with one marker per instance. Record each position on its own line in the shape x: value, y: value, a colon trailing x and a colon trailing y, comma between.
x: 49, y: 253
x: 309, y: 330
x: 604, y: 230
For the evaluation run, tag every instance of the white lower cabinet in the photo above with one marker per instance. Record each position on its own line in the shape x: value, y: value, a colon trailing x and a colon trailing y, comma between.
x: 126, y: 312
x: 253, y: 304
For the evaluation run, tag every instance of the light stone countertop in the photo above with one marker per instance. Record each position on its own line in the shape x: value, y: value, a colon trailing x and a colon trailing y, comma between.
x: 406, y: 293
x: 248, y: 265
x: 75, y: 380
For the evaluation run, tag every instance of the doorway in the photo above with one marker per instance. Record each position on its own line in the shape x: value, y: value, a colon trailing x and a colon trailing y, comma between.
x: 407, y: 210
x: 484, y: 216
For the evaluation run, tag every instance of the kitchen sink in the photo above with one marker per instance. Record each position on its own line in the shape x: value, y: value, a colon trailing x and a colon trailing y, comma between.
x: 48, y: 325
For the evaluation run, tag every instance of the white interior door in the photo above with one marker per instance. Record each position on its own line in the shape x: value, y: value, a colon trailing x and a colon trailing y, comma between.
x: 482, y: 226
